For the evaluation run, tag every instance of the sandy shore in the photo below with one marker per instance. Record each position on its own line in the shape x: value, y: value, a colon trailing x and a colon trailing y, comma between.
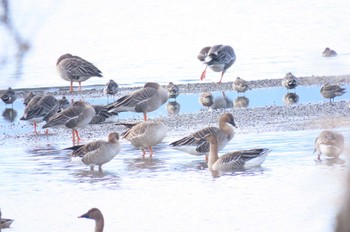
x: 249, y: 120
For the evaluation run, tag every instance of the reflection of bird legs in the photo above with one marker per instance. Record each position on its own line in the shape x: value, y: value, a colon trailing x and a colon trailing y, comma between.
x: 203, y: 73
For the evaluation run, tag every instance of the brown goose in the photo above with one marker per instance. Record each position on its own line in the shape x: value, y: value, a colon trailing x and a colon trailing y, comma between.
x: 76, y: 69
x: 144, y: 100
x: 331, y: 91
x: 329, y: 143
x: 96, y: 215
x: 218, y: 58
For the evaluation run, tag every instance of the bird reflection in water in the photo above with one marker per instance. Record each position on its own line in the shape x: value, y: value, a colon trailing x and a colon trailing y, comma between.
x: 291, y: 98
x: 173, y: 107
x: 9, y: 114
x: 241, y: 102
x: 222, y: 102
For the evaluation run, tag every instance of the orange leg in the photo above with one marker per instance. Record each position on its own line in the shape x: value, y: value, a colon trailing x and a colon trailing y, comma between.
x: 77, y: 134
x: 71, y: 86
x: 204, y: 73
x: 143, y: 152
x: 145, y: 116
x: 73, y: 137
x: 150, y: 152
x: 47, y: 131
x: 222, y: 74
x: 35, y: 131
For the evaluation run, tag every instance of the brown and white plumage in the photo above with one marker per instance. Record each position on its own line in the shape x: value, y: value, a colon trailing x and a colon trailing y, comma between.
x: 329, y: 143
x: 289, y: 81
x: 9, y: 96
x: 329, y: 52
x: 331, y: 91
x: 98, y: 152
x: 196, y: 144
x: 233, y: 160
x: 146, y: 134
x: 147, y: 99
x: 76, y: 69
x: 218, y: 58
x: 240, y: 85
x: 78, y: 115
x: 95, y: 214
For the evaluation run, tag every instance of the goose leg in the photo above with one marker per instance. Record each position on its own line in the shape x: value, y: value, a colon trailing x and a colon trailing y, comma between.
x: 150, y: 152
x: 204, y: 73
x: 71, y: 86
x: 145, y: 116
x: 77, y: 134
x: 222, y: 75
x: 35, y: 131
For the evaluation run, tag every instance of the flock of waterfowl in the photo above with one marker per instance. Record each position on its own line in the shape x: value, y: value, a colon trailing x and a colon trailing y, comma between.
x: 207, y: 141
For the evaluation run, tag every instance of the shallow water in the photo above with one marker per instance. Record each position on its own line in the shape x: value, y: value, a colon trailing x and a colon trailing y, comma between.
x: 42, y: 188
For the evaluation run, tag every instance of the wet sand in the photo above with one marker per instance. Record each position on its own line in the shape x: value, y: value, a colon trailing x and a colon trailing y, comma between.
x: 249, y: 120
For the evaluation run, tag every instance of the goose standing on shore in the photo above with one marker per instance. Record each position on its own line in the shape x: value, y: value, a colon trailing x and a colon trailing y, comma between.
x: 329, y: 52
x: 97, y: 152
x: 240, y: 85
x: 218, y: 58
x: 196, y: 144
x: 40, y: 109
x: 331, y: 91
x: 76, y: 69
x: 95, y: 214
x: 78, y: 115
x: 329, y: 143
x: 289, y: 81
x: 144, y: 100
x: 145, y: 135
x: 9, y: 96
x: 233, y: 160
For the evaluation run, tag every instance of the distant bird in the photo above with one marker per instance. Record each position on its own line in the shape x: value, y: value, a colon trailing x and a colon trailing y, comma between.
x: 102, y: 114
x: 196, y: 144
x: 96, y: 215
x: 9, y: 96
x: 144, y: 100
x: 218, y: 57
x: 97, y: 152
x: 4, y: 222
x: 329, y: 143
x: 111, y: 88
x: 28, y: 97
x: 76, y: 69
x: 145, y: 135
x: 240, y: 85
x: 40, y: 109
x: 329, y: 53
x: 173, y: 90
x: 331, y: 91
x: 78, y: 115
x: 289, y: 81
x: 233, y: 160
x: 206, y: 99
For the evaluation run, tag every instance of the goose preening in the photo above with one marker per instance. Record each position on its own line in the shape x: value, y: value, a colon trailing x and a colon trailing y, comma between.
x: 329, y: 52
x: 146, y: 134
x: 233, y: 160
x: 77, y: 115
x: 76, y: 69
x: 218, y: 58
x: 196, y: 144
x: 95, y: 214
x: 331, y: 91
x: 9, y: 96
x: 240, y: 85
x: 97, y: 152
x: 147, y: 99
x: 289, y: 81
x: 329, y: 143
x: 5, y: 222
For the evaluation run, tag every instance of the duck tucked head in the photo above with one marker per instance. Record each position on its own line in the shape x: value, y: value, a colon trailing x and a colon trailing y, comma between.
x: 113, y: 137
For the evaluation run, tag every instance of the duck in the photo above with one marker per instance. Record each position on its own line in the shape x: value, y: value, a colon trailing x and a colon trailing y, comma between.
x: 173, y: 90
x: 77, y: 115
x: 240, y: 85
x: 195, y: 143
x: 331, y: 91
x: 9, y: 96
x: 219, y: 58
x: 329, y: 52
x: 147, y: 99
x: 206, y: 99
x: 291, y: 98
x: 231, y: 161
x: 97, y: 152
x: 329, y: 143
x: 289, y: 81
x: 5, y: 222
x: 39, y: 109
x: 76, y: 69
x: 146, y: 134
x: 111, y: 88
x: 95, y: 214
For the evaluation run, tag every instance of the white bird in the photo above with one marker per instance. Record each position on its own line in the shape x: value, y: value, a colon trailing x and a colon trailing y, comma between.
x: 329, y: 143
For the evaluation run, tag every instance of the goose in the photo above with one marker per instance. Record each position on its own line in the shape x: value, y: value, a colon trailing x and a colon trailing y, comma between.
x: 289, y: 81
x: 28, y: 97
x: 206, y: 99
x: 102, y: 114
x: 9, y: 96
x: 96, y: 215
x: 78, y: 115
x: 145, y: 135
x: 329, y: 53
x: 240, y: 85
x: 76, y: 69
x: 111, y: 88
x: 218, y: 57
x: 195, y: 143
x: 331, y: 91
x: 40, y: 109
x: 233, y: 160
x: 97, y: 152
x: 173, y: 90
x: 329, y: 143
x: 144, y: 100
